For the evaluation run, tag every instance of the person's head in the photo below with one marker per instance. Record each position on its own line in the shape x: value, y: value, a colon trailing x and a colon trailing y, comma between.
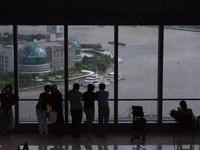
x: 76, y: 86
x: 90, y: 87
x: 54, y: 87
x: 8, y: 88
x: 47, y: 88
x: 102, y: 86
x: 183, y: 105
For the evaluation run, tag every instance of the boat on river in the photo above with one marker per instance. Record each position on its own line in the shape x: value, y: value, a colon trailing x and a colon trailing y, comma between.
x: 110, y: 76
x: 95, y: 78
x: 119, y: 43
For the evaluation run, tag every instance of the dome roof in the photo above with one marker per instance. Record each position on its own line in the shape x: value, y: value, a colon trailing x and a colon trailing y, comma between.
x: 32, y: 54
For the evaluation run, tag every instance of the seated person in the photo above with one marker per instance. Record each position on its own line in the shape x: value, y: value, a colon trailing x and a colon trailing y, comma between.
x: 183, y: 110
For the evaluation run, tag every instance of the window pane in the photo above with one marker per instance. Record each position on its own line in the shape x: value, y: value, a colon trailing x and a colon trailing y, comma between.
x: 125, y: 110
x: 169, y: 105
x: 111, y: 117
x: 91, y: 57
x: 39, y: 59
x: 92, y: 53
x: 30, y: 115
x: 181, y: 62
x: 138, y: 62
x: 6, y: 56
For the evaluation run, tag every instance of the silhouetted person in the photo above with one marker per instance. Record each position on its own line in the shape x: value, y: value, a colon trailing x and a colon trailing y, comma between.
x: 76, y: 109
x: 41, y: 109
x: 104, y: 110
x: 183, y: 110
x: 89, y: 98
x: 56, y: 104
x: 7, y: 99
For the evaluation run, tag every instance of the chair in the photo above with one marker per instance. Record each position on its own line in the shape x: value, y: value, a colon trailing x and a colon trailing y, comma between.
x: 184, y: 122
x: 139, y: 124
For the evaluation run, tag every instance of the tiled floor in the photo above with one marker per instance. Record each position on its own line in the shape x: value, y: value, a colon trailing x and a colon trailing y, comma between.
x: 111, y: 142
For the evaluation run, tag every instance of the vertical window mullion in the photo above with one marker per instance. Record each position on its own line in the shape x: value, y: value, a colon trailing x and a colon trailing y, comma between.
x: 160, y: 72
x: 15, y: 44
x: 66, y: 71
x: 116, y: 74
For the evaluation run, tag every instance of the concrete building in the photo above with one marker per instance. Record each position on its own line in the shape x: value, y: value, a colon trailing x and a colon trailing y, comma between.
x: 6, y: 60
x: 55, y: 33
x: 56, y: 56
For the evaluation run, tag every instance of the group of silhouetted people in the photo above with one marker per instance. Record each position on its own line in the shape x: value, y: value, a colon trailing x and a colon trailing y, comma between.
x: 54, y: 101
x: 89, y: 97
x: 50, y: 101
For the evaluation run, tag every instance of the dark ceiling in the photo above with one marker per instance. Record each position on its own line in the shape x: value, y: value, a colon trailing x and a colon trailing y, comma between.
x: 120, y: 12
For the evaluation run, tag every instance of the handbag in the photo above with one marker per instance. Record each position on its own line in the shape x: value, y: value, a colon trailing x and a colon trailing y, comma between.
x: 52, y: 116
x: 25, y: 146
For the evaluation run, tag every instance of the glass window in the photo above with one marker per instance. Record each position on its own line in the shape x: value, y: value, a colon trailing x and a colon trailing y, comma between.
x: 169, y: 105
x: 91, y: 57
x: 181, y: 62
x: 137, y: 79
x: 125, y: 110
x: 138, y: 53
x: 6, y: 56
x: 35, y: 60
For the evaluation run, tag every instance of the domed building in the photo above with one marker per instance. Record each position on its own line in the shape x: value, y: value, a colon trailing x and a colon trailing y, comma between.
x: 33, y: 59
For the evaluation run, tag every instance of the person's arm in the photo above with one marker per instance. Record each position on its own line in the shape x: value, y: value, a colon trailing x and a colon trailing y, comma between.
x: 3, y: 91
x: 40, y: 105
x: 173, y: 113
x: 193, y: 117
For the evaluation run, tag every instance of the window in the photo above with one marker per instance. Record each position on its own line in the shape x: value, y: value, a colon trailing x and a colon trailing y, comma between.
x: 35, y: 67
x: 6, y: 56
x: 181, y: 62
x: 138, y: 52
x: 181, y: 67
x: 91, y: 52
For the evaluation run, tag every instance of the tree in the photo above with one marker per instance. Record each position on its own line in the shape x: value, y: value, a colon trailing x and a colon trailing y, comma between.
x: 85, y: 60
x: 78, y: 65
x: 6, y: 34
x: 42, y: 75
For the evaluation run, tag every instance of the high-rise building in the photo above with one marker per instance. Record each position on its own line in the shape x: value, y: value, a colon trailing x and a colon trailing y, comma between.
x: 55, y: 33
x: 6, y: 60
x: 56, y: 56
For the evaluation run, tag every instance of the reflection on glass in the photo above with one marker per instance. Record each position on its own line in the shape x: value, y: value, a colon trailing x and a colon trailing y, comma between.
x: 181, y: 62
x: 93, y: 56
x: 39, y: 59
x: 138, y: 62
x: 125, y: 110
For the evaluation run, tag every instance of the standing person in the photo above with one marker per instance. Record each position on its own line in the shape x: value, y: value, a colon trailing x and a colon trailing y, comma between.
x: 6, y: 113
x: 89, y: 98
x: 41, y: 110
x: 76, y: 109
x: 56, y: 104
x: 104, y: 110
